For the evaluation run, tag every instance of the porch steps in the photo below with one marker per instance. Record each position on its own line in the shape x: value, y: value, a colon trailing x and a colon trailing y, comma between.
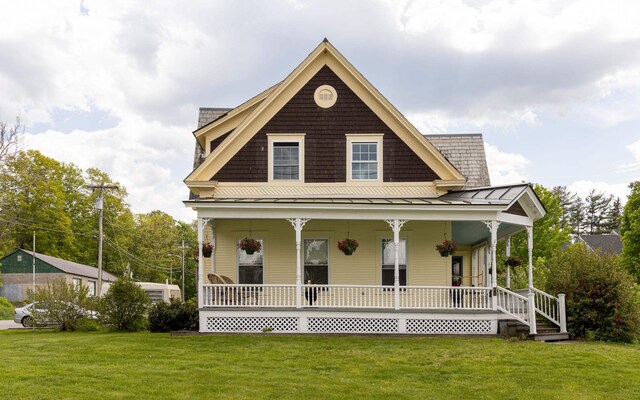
x: 547, y: 331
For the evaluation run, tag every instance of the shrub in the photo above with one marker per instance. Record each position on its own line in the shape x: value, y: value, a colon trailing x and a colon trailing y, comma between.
x: 60, y: 303
x: 6, y: 309
x: 174, y: 316
x: 602, y: 298
x: 124, y: 306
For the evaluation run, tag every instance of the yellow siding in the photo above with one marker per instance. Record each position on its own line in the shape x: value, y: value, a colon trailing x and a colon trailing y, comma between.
x: 425, y: 266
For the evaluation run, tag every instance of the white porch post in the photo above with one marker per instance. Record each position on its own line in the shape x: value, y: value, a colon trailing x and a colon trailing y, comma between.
x: 298, y: 224
x: 530, y: 250
x: 562, y: 310
x: 508, y: 254
x: 201, y: 223
x: 533, y: 329
x: 493, y: 227
x: 396, y: 225
x: 213, y: 245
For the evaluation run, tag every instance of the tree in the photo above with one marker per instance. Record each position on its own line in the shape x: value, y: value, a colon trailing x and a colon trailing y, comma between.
x: 124, y: 306
x: 630, y: 231
x: 597, y: 206
x: 577, y: 216
x: 10, y: 140
x: 602, y: 299
x: 61, y: 303
x: 566, y: 200
x: 157, y: 237
x: 613, y: 216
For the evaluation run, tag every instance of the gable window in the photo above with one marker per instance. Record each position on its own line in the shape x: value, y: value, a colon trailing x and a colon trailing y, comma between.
x: 286, y: 157
x: 286, y: 161
x: 251, y: 266
x: 389, y: 260
x: 364, y: 157
x: 316, y: 261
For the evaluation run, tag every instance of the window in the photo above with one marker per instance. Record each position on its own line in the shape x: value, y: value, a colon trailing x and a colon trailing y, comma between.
x: 92, y: 288
x: 364, y: 157
x: 364, y: 161
x: 77, y: 282
x: 286, y: 157
x: 389, y: 259
x: 316, y: 261
x: 19, y: 258
x: 456, y: 271
x: 325, y: 96
x: 250, y: 266
x: 286, y: 161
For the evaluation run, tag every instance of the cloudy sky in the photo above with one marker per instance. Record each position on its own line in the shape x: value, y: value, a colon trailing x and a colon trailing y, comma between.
x: 554, y: 86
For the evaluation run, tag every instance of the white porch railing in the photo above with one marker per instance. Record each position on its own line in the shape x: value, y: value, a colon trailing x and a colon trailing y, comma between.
x: 551, y: 307
x: 347, y: 296
x: 514, y: 304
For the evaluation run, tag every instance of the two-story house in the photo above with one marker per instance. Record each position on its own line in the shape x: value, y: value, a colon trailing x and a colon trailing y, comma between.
x: 322, y: 157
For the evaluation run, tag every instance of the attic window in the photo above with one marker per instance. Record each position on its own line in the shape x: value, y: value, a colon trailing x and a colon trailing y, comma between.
x: 19, y: 258
x: 325, y: 96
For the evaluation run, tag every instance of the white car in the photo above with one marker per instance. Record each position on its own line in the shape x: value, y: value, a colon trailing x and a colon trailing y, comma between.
x: 24, y: 315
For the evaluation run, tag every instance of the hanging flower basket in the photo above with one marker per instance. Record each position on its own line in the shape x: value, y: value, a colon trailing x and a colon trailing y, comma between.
x: 207, y: 249
x: 348, y: 246
x: 447, y: 248
x: 513, y: 261
x: 250, y: 245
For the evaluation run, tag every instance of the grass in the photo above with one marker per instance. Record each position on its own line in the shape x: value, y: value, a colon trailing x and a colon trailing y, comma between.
x: 144, y: 365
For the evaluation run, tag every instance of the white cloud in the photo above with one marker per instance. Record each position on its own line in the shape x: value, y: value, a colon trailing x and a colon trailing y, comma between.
x: 505, y: 168
x: 583, y: 187
x: 634, y: 148
x: 148, y: 159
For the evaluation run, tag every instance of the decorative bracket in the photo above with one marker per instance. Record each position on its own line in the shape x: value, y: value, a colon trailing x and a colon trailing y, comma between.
x: 298, y: 223
x: 489, y: 223
x: 396, y: 224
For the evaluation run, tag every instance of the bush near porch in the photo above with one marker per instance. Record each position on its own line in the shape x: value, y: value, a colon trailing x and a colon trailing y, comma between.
x: 603, y: 302
x: 158, y: 366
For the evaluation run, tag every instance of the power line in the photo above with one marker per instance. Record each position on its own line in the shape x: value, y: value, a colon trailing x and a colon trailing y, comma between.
x: 47, y: 229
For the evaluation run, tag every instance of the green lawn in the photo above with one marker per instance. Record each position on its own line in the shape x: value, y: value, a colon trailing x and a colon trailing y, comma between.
x: 47, y: 365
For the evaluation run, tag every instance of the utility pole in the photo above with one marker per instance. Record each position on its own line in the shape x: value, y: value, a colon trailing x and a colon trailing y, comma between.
x: 33, y: 264
x: 183, y: 270
x: 99, y: 206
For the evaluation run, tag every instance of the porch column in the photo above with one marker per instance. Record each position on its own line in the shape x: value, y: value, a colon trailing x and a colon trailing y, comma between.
x: 201, y: 224
x: 493, y: 227
x: 508, y: 254
x: 213, y: 245
x: 530, y: 250
x: 396, y: 225
x: 298, y: 224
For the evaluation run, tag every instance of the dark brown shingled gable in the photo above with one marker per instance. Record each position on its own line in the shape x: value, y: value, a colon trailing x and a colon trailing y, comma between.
x: 517, y: 209
x: 325, y: 140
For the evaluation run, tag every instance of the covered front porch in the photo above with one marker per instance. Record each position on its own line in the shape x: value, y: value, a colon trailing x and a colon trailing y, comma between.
x: 395, y: 282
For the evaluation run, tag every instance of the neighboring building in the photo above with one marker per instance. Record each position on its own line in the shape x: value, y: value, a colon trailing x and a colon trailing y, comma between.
x: 16, y: 273
x: 323, y: 156
x: 606, y: 243
x: 157, y: 291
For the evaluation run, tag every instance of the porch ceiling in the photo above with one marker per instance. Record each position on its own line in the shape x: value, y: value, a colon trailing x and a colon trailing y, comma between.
x: 473, y: 232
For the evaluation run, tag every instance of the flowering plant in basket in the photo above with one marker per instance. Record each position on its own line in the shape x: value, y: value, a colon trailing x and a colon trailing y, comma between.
x: 513, y: 261
x: 348, y: 246
x: 207, y: 249
x: 446, y: 248
x: 250, y: 245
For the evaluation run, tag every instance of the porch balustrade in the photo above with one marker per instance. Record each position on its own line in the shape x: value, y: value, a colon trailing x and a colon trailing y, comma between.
x: 348, y: 296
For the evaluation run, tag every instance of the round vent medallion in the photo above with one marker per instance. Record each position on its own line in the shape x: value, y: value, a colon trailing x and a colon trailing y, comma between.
x: 325, y: 96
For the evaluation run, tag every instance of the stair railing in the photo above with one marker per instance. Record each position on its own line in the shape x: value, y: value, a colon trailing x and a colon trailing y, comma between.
x: 515, y: 305
x: 551, y: 307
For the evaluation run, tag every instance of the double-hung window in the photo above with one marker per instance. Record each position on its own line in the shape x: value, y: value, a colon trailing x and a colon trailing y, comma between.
x: 364, y: 157
x: 286, y: 157
x: 389, y: 260
x: 316, y: 261
x: 251, y: 266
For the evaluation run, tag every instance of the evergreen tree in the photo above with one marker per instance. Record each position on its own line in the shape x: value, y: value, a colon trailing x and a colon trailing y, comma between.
x: 597, y: 205
x: 577, y: 216
x: 566, y: 200
x: 613, y: 216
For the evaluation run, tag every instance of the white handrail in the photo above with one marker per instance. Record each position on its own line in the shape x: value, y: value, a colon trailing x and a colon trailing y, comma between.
x: 513, y: 304
x: 547, y: 305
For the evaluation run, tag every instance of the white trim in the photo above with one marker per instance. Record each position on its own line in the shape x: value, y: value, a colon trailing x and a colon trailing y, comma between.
x: 364, y: 138
x: 385, y: 236
x: 286, y: 138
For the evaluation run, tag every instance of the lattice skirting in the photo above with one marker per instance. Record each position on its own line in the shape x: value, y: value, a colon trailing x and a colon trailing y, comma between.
x: 341, y: 324
x: 252, y: 324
